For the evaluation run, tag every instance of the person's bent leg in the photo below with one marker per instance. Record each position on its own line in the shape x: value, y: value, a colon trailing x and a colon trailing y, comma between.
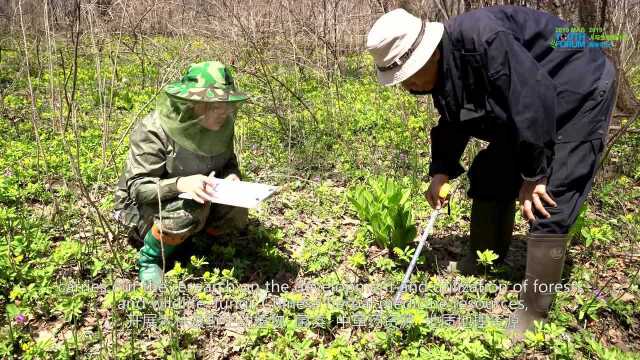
x: 494, y: 183
x: 492, y: 223
x: 224, y: 219
x: 573, y: 168
x: 178, y: 220
x: 571, y: 179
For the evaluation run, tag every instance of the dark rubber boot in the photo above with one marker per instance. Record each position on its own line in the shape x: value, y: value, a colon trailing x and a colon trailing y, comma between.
x: 491, y: 228
x: 545, y: 261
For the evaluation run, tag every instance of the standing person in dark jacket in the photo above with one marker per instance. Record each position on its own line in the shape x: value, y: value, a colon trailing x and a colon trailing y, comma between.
x: 544, y: 110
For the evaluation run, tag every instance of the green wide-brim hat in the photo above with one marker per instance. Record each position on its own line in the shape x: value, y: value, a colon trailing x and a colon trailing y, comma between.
x: 208, y: 81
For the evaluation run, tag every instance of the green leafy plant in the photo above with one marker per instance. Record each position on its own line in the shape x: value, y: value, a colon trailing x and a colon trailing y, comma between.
x: 624, y: 311
x: 536, y: 338
x: 384, y: 207
x: 602, y: 233
x: 406, y: 254
x: 600, y: 351
x: 72, y: 307
x: 66, y: 251
x: 589, y: 230
x: 358, y: 260
x: 590, y: 308
x: 486, y: 259
x: 198, y: 262
x: 383, y: 263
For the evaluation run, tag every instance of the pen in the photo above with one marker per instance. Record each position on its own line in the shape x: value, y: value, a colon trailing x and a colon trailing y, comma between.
x: 213, y: 189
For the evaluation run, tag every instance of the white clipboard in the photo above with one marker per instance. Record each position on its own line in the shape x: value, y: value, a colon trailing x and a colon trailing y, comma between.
x: 238, y: 193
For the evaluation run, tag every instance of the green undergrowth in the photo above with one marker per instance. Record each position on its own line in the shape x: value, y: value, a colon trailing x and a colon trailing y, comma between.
x: 350, y: 157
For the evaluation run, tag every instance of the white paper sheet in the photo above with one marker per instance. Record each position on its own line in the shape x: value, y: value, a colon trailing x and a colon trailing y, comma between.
x: 238, y: 193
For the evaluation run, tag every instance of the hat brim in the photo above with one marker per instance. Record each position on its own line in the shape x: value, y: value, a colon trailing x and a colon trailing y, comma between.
x: 432, y: 36
x: 204, y: 94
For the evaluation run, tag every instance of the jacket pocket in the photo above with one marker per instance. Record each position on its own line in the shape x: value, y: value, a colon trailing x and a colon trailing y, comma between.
x: 475, y: 85
x: 591, y: 120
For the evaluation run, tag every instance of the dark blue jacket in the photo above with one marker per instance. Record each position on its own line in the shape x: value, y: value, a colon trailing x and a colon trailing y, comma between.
x: 501, y: 80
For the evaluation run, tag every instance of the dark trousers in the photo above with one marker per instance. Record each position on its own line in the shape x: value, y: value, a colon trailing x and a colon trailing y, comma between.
x: 494, y: 173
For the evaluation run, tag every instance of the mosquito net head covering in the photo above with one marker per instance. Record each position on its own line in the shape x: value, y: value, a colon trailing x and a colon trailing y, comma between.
x: 209, y: 82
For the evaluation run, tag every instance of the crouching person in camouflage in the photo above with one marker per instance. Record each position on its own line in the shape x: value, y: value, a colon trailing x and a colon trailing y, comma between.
x: 172, y: 151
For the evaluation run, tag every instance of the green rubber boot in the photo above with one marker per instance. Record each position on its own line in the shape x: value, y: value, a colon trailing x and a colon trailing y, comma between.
x: 491, y: 228
x: 150, y: 259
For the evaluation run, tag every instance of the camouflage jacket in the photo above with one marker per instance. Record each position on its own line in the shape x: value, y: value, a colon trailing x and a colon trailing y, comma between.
x: 154, y: 158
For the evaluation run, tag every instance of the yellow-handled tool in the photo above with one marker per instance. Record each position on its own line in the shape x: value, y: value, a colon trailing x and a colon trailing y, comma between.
x: 444, y: 190
x: 443, y: 193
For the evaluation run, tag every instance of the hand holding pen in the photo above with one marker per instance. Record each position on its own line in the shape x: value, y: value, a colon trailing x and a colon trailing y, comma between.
x: 198, y: 186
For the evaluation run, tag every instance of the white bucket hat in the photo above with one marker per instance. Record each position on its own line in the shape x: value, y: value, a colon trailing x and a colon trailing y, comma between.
x: 401, y: 44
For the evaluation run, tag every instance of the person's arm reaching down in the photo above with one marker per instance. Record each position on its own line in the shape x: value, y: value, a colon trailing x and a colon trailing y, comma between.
x: 447, y: 146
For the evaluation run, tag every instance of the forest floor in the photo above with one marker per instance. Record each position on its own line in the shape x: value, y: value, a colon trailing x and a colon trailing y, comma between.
x: 310, y: 279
